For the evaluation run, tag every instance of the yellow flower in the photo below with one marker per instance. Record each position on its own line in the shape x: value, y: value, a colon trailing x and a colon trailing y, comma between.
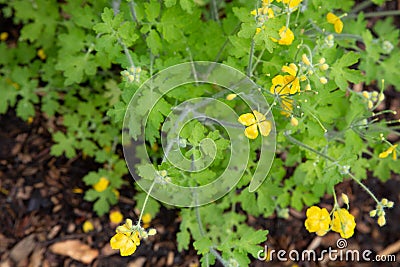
x: 125, y: 242
x: 343, y: 223
x: 389, y: 151
x: 87, y: 226
x: 286, y: 35
x: 3, y: 36
x: 116, y: 217
x: 41, y: 54
x: 336, y: 21
x: 288, y: 84
x: 252, y: 120
x: 101, y: 185
x: 318, y: 220
x: 293, y: 4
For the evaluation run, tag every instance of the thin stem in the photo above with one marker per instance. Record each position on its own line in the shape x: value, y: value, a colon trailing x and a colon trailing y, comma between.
x: 297, y: 142
x: 132, y: 10
x: 361, y: 6
x: 378, y: 14
x: 202, y: 232
x: 249, y: 68
x: 257, y: 61
x: 214, y: 10
x: 145, y: 202
x: 365, y: 188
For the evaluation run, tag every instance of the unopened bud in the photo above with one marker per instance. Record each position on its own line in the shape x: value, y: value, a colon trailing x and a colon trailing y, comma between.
x: 305, y: 60
x: 294, y: 122
x: 324, y: 67
x: 231, y: 96
x: 381, y: 220
x: 323, y: 80
x: 345, y: 199
x: 322, y: 60
x: 372, y: 213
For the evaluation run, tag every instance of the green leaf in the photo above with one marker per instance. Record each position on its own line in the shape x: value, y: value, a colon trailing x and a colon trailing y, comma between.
x: 340, y: 72
x: 203, y: 245
x: 152, y: 10
x: 64, y: 143
x: 249, y: 241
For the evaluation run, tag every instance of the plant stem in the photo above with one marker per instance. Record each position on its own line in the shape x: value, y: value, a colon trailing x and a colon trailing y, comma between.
x: 145, y: 202
x: 132, y: 10
x: 249, y: 68
x: 297, y: 142
x: 214, y: 10
x: 361, y: 6
x: 202, y: 232
x: 378, y: 14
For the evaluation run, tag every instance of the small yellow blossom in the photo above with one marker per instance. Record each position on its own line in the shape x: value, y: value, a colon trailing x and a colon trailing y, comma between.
x: 231, y: 97
x: 255, y: 121
x: 287, y: 84
x: 101, y: 185
x: 41, y: 54
x: 318, y: 220
x: 390, y: 150
x: 343, y: 223
x: 286, y: 35
x: 125, y: 242
x: 336, y: 21
x: 87, y: 226
x: 3, y: 36
x: 116, y: 217
x: 30, y: 120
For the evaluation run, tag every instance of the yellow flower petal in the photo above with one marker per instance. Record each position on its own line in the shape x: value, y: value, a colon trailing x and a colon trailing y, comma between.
x: 290, y: 70
x: 338, y: 26
x: 247, y: 119
x: 251, y: 132
x: 331, y: 18
x: 265, y: 127
x: 286, y: 35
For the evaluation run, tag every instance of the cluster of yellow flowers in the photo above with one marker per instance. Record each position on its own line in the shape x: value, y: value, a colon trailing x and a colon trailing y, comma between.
x: 319, y: 221
x: 132, y: 74
x: 128, y: 236
x: 380, y: 212
x: 373, y: 98
x: 266, y: 12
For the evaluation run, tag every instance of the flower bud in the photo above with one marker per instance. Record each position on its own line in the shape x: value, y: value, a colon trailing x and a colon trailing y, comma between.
x: 384, y: 201
x: 152, y: 231
x: 390, y: 204
x: 305, y: 60
x: 381, y: 220
x: 345, y: 199
x: 294, y: 122
x: 370, y: 104
x: 372, y: 213
x: 231, y: 97
x: 365, y: 94
x: 308, y: 87
x: 323, y: 80
x: 381, y: 97
x: 322, y: 60
x: 324, y: 67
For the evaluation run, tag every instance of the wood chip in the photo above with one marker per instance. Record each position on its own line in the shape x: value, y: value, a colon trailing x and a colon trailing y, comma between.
x: 391, y: 249
x: 23, y: 248
x: 76, y: 250
x: 139, y: 262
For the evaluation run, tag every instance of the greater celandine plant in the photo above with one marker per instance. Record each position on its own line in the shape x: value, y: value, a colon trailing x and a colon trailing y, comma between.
x: 83, y: 62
